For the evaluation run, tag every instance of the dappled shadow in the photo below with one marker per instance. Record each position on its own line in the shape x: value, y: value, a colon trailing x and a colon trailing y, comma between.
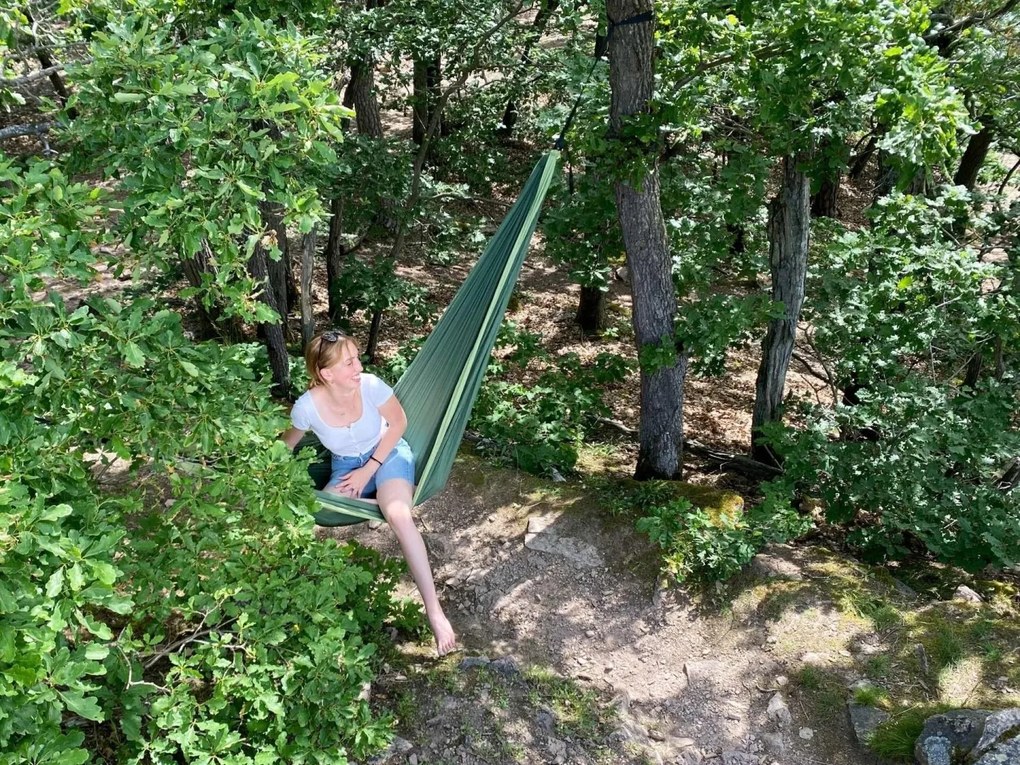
x: 696, y: 674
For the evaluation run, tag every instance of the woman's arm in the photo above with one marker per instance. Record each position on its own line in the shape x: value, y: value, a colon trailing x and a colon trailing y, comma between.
x: 291, y: 437
x: 394, y: 414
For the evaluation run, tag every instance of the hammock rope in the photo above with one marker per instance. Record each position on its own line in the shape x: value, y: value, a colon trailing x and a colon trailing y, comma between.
x: 439, y: 387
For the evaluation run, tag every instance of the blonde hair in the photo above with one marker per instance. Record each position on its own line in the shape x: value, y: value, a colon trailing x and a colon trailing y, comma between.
x: 324, y: 350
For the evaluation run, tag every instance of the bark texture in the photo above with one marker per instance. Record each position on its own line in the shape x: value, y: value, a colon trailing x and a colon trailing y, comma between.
x: 273, y: 331
x: 788, y: 226
x: 307, y: 268
x: 975, y: 154
x: 428, y: 78
x: 335, y: 255
x: 591, y: 310
x: 632, y: 79
x: 825, y: 201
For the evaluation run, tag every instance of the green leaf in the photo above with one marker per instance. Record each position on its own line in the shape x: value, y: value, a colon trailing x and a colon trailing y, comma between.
x: 248, y: 189
x: 55, y: 583
x: 133, y: 354
x: 81, y: 705
x: 128, y: 98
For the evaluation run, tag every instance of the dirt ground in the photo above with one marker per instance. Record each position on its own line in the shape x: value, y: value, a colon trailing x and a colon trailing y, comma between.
x: 666, y: 677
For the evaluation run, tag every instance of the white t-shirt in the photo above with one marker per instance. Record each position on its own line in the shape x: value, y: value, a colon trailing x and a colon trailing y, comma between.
x: 357, y: 438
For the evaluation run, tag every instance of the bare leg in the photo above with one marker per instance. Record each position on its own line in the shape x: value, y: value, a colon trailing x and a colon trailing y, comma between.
x: 395, y: 498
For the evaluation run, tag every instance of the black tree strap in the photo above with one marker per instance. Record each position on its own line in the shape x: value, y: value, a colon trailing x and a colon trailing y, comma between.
x: 640, y: 18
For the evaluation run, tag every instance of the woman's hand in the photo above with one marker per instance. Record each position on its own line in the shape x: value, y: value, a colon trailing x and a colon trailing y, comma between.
x: 352, y: 484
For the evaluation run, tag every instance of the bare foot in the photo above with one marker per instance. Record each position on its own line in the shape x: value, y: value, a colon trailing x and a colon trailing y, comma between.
x: 446, y: 638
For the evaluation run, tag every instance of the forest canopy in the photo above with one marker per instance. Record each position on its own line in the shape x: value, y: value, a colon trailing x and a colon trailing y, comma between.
x: 828, y: 188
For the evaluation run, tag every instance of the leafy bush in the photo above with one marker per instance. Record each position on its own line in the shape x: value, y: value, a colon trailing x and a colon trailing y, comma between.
x: 184, y: 612
x: 913, y: 455
x: 534, y: 409
x: 705, y: 543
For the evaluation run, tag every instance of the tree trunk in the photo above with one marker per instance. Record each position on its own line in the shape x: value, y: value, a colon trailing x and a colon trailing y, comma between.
x: 372, y: 346
x: 46, y: 62
x: 1011, y: 477
x: 335, y: 255
x: 591, y: 310
x: 360, y: 95
x: 427, y: 84
x: 510, y: 114
x: 632, y: 81
x: 194, y: 268
x: 860, y: 162
x: 825, y: 201
x: 975, y: 154
x: 307, y: 268
x: 788, y: 226
x: 272, y: 331
x: 277, y: 268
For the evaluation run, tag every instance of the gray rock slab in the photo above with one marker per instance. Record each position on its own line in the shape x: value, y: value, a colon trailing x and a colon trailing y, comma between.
x: 543, y: 538
x: 933, y: 750
x: 865, y: 720
x: 952, y: 734
x: 999, y: 726
x: 778, y: 711
x: 966, y: 594
x: 1004, y: 753
x: 767, y: 566
x: 702, y: 672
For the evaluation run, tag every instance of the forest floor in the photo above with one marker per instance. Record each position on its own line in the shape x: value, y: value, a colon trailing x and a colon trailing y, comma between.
x: 574, y: 652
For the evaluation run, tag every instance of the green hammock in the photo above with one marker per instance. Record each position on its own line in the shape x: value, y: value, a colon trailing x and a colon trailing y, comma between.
x: 439, y: 387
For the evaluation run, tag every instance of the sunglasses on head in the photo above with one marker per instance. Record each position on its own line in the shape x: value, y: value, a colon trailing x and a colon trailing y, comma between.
x: 332, y: 336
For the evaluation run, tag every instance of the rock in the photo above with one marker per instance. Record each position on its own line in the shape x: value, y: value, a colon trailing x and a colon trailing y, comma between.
x: 768, y: 566
x: 934, y: 750
x: 505, y: 666
x: 774, y: 743
x: 814, y: 659
x: 702, y: 672
x: 541, y: 537
x: 949, y: 736
x: 470, y: 662
x: 1005, y: 753
x: 690, y: 757
x: 966, y: 594
x: 778, y: 711
x: 412, y: 759
x: 740, y: 758
x: 558, y: 749
x: 398, y: 746
x: 806, y: 733
x: 865, y: 720
x: 999, y: 727
x: 904, y: 589
x: 782, y: 681
x: 545, y: 720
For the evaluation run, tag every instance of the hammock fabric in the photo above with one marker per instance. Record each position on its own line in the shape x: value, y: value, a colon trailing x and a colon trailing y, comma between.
x: 439, y: 387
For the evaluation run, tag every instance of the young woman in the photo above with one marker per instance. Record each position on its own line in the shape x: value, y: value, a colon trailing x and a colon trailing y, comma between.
x: 357, y: 417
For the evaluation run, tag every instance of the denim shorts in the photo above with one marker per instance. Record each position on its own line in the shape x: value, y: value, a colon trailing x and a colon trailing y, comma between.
x: 398, y: 464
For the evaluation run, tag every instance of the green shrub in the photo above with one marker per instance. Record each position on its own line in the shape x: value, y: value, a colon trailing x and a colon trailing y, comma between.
x: 706, y: 543
x: 534, y: 409
x: 184, y: 612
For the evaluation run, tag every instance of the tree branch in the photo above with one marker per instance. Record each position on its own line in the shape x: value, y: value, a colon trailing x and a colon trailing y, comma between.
x: 42, y: 74
x: 13, y: 131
